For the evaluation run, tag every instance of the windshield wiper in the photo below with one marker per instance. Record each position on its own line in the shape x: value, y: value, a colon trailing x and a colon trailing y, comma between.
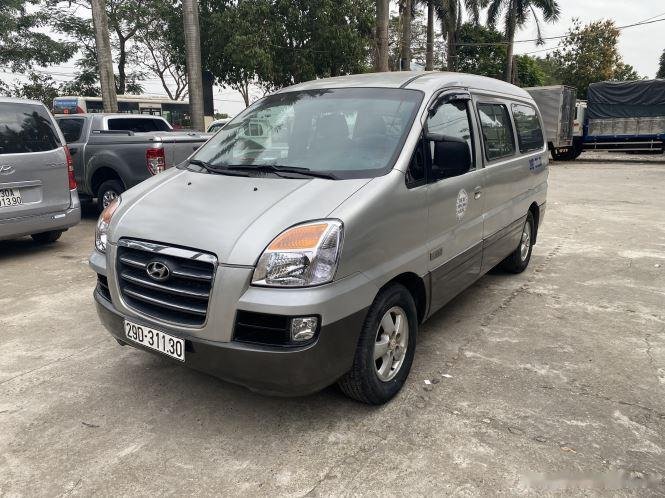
x: 275, y: 168
x: 211, y: 168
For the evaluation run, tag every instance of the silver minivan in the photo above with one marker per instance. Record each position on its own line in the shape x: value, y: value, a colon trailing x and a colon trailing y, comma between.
x: 37, y: 186
x: 306, y: 242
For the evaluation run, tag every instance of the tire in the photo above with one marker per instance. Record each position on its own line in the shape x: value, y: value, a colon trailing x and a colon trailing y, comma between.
x: 519, y: 259
x: 46, y: 237
x: 377, y: 381
x: 569, y: 154
x: 107, y: 191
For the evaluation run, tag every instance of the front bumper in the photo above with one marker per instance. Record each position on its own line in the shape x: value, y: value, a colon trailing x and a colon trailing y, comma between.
x: 12, y: 228
x: 269, y: 370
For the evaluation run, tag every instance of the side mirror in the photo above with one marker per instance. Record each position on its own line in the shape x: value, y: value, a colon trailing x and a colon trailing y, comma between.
x: 452, y: 157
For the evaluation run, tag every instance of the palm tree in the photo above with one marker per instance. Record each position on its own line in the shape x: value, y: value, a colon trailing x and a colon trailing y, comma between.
x: 449, y: 13
x: 406, y: 15
x: 429, y: 46
x: 516, y: 14
x: 190, y: 15
x: 382, y: 20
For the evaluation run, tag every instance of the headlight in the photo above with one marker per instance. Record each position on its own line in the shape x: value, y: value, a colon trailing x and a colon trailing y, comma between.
x: 101, y: 231
x: 301, y: 256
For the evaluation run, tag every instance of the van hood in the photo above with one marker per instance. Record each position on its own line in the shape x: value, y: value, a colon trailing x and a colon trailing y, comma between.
x: 234, y: 218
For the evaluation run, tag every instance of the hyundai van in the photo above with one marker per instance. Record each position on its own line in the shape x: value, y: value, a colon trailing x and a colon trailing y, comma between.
x: 304, y: 244
x: 37, y: 185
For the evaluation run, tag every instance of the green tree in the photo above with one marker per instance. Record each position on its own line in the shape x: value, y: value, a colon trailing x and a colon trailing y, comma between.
x: 515, y: 14
x: 590, y: 54
x: 528, y: 72
x: 450, y: 14
x: 21, y: 44
x: 661, y: 66
x: 419, y: 43
x: 126, y: 18
x: 480, y: 50
x: 40, y: 87
x: 274, y: 43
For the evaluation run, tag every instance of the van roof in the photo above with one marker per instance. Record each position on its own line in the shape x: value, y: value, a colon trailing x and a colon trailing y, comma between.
x: 16, y: 100
x: 427, y: 81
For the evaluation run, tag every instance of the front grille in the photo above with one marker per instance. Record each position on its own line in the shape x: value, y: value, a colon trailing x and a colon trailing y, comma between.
x: 182, y: 298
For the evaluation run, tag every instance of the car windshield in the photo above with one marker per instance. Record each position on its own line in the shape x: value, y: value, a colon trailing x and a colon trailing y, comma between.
x: 345, y: 132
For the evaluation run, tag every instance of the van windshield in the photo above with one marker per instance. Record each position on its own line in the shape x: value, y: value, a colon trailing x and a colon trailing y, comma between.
x: 344, y: 132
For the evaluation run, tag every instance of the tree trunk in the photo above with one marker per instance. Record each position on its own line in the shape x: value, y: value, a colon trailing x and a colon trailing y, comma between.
x: 450, y: 25
x: 190, y: 14
x: 122, y: 62
x: 429, y: 54
x: 405, y: 59
x: 382, y: 20
x: 104, y: 58
x: 510, y: 39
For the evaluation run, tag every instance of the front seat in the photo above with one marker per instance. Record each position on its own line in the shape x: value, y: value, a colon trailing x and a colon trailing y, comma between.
x: 331, y: 135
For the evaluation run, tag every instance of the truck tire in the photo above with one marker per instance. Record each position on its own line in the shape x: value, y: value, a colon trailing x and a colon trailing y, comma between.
x: 107, y: 191
x: 519, y: 259
x: 385, y: 349
x: 567, y: 154
x: 46, y: 237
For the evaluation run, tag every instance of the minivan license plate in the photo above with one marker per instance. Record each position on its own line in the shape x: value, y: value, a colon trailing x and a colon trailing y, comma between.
x: 155, y: 339
x: 10, y: 197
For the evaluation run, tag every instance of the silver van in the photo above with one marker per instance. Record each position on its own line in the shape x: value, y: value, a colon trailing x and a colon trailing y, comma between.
x: 37, y: 186
x: 306, y: 242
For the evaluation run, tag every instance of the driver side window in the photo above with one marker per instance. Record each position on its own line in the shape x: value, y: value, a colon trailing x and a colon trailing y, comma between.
x: 452, y: 119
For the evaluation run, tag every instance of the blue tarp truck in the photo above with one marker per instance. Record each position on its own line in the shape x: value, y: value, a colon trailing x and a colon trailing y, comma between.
x: 623, y: 116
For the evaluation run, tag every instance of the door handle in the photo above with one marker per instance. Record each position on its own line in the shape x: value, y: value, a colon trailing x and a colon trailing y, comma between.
x: 477, y: 192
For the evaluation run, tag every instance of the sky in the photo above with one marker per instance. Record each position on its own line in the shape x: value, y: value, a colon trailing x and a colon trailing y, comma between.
x: 640, y: 46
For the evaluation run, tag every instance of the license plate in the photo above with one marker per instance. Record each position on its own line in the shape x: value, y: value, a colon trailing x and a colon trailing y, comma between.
x: 155, y: 339
x: 10, y: 197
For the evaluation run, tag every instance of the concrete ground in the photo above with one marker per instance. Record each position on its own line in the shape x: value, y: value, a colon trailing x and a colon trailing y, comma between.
x: 541, y: 379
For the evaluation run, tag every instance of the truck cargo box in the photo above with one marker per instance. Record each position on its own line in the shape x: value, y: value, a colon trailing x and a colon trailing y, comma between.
x: 557, y: 108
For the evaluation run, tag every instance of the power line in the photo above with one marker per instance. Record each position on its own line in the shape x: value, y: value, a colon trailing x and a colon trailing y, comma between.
x: 559, y: 37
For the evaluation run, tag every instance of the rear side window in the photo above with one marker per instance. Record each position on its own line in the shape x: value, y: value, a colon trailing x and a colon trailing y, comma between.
x: 26, y: 128
x: 137, y: 125
x: 497, y: 131
x: 529, y: 132
x: 71, y: 128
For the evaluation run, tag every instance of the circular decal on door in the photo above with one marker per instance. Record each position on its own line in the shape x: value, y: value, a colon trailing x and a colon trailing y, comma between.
x: 462, y: 203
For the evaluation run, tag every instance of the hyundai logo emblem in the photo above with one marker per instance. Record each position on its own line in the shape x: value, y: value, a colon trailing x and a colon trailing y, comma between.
x: 157, y: 270
x: 6, y: 169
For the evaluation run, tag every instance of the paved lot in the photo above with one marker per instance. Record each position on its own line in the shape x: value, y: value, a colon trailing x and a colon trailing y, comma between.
x: 560, y: 370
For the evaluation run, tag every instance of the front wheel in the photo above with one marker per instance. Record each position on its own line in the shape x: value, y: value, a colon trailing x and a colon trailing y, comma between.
x: 520, y: 257
x: 385, y: 349
x: 107, y: 192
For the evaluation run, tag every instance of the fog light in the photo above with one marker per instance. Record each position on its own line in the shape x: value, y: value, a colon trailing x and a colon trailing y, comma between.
x: 303, y: 329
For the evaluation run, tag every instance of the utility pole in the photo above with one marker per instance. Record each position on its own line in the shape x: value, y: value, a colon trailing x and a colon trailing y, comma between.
x: 382, y: 21
x: 190, y: 14
x: 104, y: 58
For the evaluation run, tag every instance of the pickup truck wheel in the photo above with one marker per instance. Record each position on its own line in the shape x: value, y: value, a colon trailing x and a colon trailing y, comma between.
x: 46, y: 237
x: 520, y: 257
x: 385, y: 349
x: 108, y: 190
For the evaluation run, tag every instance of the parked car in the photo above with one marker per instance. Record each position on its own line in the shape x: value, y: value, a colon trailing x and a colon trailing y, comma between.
x: 37, y: 187
x: 114, y: 152
x: 310, y: 253
x: 217, y: 125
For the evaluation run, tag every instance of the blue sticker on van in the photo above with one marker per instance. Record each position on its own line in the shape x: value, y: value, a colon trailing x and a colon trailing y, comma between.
x: 535, y: 163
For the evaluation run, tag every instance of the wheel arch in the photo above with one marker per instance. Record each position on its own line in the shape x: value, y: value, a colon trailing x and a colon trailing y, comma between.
x: 534, y: 209
x: 102, y: 174
x: 417, y: 288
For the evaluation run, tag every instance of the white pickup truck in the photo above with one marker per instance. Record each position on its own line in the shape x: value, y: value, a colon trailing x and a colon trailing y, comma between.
x: 114, y: 152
